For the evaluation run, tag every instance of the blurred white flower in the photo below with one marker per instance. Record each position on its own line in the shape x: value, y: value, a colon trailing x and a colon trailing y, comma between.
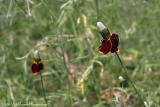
x: 36, y: 54
x: 121, y: 78
x: 100, y: 26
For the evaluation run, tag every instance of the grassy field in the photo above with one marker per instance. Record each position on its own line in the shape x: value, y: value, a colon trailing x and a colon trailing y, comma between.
x: 66, y: 36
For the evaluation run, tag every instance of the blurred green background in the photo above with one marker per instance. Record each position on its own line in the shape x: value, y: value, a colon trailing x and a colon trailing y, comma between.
x: 65, y: 33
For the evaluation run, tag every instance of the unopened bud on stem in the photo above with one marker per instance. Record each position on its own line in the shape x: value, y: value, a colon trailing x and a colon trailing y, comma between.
x: 121, y: 78
x: 36, y: 54
x: 103, y: 30
x: 100, y: 26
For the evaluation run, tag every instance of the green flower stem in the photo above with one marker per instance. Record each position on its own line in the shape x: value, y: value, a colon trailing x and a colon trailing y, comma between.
x: 44, y: 94
x: 132, y: 83
x: 97, y: 9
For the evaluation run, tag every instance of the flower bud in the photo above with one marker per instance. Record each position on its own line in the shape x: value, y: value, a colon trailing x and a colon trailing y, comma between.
x: 36, y: 54
x: 121, y: 78
x: 100, y: 26
x: 103, y: 30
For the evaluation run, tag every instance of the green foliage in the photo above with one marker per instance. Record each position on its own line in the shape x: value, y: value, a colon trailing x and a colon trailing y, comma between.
x: 65, y: 33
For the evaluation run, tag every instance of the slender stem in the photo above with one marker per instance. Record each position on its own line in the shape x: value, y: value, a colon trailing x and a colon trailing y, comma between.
x: 97, y: 9
x: 19, y: 5
x: 10, y: 8
x: 69, y: 73
x: 66, y: 65
x: 44, y: 94
x: 29, y: 11
x: 132, y: 83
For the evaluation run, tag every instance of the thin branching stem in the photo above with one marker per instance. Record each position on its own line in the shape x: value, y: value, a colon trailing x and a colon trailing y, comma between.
x: 19, y: 5
x: 44, y: 94
x: 28, y: 8
x: 10, y: 8
x: 97, y: 9
x: 68, y: 73
x: 66, y: 65
x: 126, y: 74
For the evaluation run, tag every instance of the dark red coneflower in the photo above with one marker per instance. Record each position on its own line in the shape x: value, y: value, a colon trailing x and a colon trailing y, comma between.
x: 110, y: 42
x: 37, y: 64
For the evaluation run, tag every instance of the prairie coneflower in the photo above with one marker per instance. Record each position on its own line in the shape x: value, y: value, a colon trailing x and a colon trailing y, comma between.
x: 110, y: 42
x: 37, y: 64
x: 36, y: 68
